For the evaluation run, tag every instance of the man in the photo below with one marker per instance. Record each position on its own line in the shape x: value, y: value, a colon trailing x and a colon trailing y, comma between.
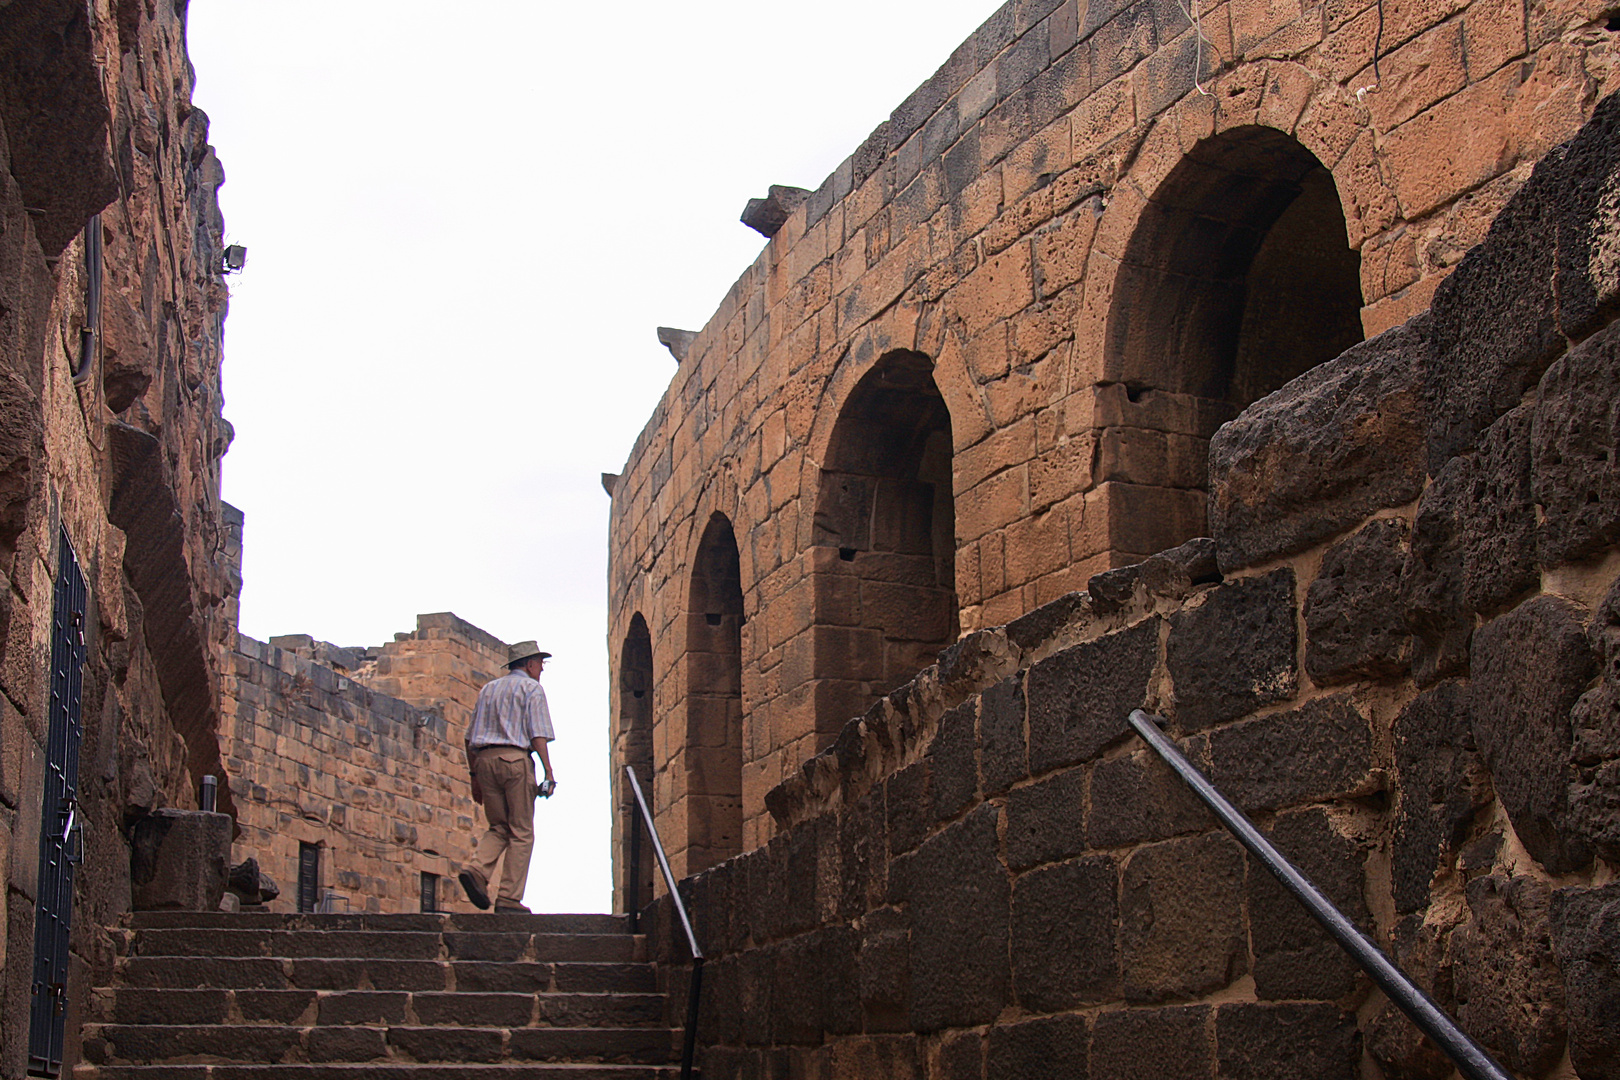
x: 510, y: 721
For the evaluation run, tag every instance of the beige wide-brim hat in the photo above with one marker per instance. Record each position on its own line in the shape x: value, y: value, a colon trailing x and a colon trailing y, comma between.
x: 524, y: 650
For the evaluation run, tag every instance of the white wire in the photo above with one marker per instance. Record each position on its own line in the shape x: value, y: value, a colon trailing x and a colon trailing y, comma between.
x: 1196, y: 19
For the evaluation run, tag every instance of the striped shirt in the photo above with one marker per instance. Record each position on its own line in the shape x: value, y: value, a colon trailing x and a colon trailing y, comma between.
x: 511, y: 710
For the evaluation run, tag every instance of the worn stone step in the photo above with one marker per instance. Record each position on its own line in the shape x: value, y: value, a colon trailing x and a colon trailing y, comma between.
x: 477, y: 922
x: 136, y: 1005
x: 283, y: 973
x: 146, y: 1044
x: 303, y: 943
x: 379, y: 1071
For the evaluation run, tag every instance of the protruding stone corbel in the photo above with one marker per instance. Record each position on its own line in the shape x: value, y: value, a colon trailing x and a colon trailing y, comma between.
x: 768, y: 215
x: 609, y: 480
x: 678, y: 342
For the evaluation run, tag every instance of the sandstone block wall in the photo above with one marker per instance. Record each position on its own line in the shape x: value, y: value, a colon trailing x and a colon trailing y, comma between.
x: 118, y: 443
x: 1397, y: 654
x: 983, y: 361
x: 359, y: 752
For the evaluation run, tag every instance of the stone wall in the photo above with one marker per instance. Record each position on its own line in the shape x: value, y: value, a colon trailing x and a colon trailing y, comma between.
x: 115, y: 437
x: 983, y: 361
x: 1399, y: 654
x: 358, y: 751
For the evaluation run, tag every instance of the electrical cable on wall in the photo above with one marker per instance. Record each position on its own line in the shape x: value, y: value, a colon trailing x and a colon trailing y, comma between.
x: 1196, y: 18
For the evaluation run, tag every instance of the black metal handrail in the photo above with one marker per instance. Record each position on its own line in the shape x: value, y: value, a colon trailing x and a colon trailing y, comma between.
x: 1471, y: 1059
x: 689, y: 1045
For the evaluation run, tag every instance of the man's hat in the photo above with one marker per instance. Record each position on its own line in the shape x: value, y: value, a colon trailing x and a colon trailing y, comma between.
x: 524, y: 650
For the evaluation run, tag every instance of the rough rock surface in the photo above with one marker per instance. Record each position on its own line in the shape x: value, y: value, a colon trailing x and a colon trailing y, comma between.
x: 1510, y: 992
x: 181, y: 861
x: 1235, y: 651
x: 1354, y: 625
x: 1181, y: 918
x: 1440, y: 784
x: 1594, y: 793
x: 1530, y: 666
x: 1576, y: 451
x: 1079, y: 698
x: 1586, y: 934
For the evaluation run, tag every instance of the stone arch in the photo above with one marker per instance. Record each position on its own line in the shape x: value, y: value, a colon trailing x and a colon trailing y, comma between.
x: 883, y: 544
x: 1237, y: 277
x: 714, y: 722
x: 634, y: 747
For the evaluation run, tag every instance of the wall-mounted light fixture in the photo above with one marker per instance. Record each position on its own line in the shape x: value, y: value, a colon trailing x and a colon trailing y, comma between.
x: 235, y: 259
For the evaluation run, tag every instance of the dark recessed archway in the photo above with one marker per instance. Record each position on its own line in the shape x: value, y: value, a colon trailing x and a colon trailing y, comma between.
x: 1238, y: 278
x: 635, y: 884
x: 885, y: 524
x: 714, y: 700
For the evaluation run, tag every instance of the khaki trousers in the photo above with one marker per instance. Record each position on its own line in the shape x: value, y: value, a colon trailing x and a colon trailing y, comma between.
x: 507, y: 777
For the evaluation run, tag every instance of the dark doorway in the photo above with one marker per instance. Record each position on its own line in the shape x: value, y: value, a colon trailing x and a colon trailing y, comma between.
x: 635, y: 749
x: 714, y: 700
x: 309, y: 877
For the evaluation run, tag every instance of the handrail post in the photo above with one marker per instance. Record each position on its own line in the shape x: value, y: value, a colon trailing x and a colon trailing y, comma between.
x: 1471, y: 1059
x: 632, y: 874
x: 689, y: 1045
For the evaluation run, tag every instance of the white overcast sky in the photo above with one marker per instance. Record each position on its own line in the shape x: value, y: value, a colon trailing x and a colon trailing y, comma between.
x: 463, y: 223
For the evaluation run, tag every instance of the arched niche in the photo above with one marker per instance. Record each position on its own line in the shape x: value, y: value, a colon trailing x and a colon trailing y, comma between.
x: 884, y: 540
x: 713, y: 751
x: 635, y: 749
x: 1238, y: 277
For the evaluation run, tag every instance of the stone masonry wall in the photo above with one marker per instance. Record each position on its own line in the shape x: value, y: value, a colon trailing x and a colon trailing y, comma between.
x: 358, y: 751
x: 116, y: 439
x: 983, y: 361
x: 1399, y: 654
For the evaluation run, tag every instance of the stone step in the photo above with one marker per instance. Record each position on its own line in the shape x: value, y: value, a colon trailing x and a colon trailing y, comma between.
x: 305, y: 943
x: 378, y: 1071
x: 477, y: 922
x: 293, y: 973
x: 135, y: 1005
x: 147, y: 1044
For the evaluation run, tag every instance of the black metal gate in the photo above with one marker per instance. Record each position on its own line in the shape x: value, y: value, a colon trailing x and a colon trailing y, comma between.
x: 60, y: 830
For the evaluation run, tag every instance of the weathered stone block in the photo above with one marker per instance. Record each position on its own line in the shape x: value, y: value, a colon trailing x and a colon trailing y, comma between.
x: 1079, y: 698
x: 955, y: 762
x: 1319, y: 751
x: 1003, y: 759
x: 1586, y: 933
x: 1337, y: 444
x: 863, y: 840
x: 1137, y: 798
x: 1065, y: 921
x: 1530, y: 667
x: 180, y: 860
x: 1575, y: 450
x: 1287, y: 1042
x: 1181, y: 918
x: 909, y: 798
x: 884, y: 970
x: 1235, y: 651
x: 1440, y: 781
x: 1046, y: 820
x: 1294, y: 957
x: 1181, y: 1042
x: 1354, y: 625
x: 1472, y: 544
x: 1051, y: 1046
x: 1594, y: 794
x: 958, y: 890
x: 1510, y: 993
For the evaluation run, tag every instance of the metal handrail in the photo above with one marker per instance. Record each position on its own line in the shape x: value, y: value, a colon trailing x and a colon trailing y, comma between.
x: 689, y: 1045
x: 1471, y: 1059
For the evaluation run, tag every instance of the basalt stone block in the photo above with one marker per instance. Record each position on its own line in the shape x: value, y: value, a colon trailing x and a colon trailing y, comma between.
x: 1510, y: 991
x: 1440, y: 782
x: 1473, y: 545
x: 884, y: 979
x: 1328, y: 450
x: 1287, y: 1042
x: 1079, y: 698
x: 1065, y: 926
x: 960, y: 1057
x: 1594, y: 793
x: 1317, y: 752
x: 863, y: 843
x: 959, y: 899
x: 1530, y: 667
x: 1586, y: 934
x: 1137, y: 798
x: 1003, y: 758
x: 1293, y: 956
x: 1181, y: 918
x: 180, y: 860
x: 1028, y: 631
x: 1235, y: 651
x: 1051, y: 1046
x: 1400, y: 1049
x: 955, y: 760
x: 1046, y: 820
x: 1354, y: 625
x: 909, y: 798
x: 1575, y: 451
x: 1153, y: 1044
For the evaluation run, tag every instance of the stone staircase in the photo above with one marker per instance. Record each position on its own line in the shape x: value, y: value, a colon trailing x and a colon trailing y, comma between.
x: 228, y: 996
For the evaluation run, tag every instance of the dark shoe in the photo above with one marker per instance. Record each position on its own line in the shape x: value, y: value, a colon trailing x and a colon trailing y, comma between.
x: 474, y: 889
x: 517, y: 908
